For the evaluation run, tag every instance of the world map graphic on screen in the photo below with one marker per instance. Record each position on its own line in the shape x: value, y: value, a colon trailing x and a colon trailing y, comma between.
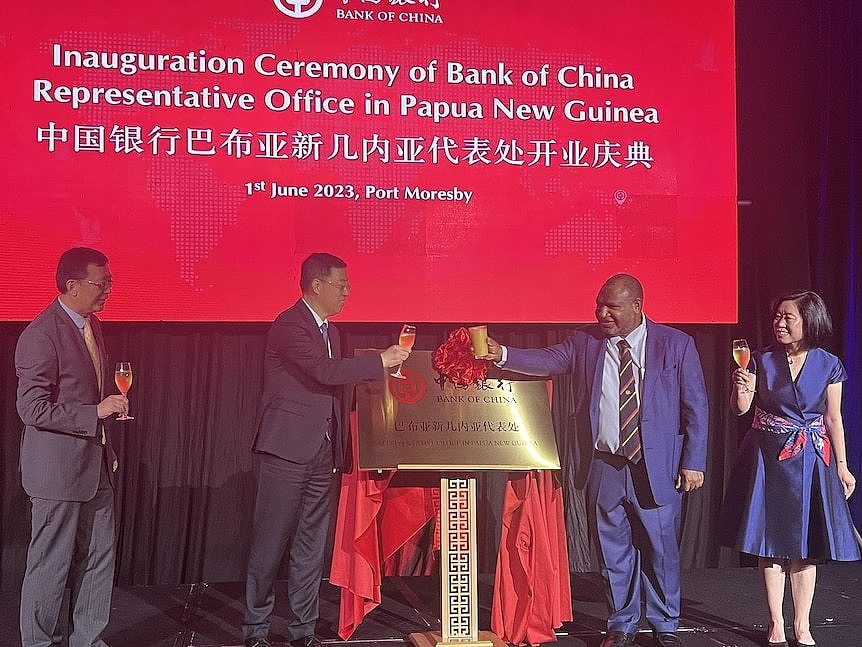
x: 490, y: 162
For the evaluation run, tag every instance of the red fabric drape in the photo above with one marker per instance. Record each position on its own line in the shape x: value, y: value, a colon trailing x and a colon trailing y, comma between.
x: 532, y: 593
x: 532, y: 589
x: 374, y: 521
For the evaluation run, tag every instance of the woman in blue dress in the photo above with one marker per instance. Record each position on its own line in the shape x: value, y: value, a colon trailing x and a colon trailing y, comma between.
x: 786, y: 498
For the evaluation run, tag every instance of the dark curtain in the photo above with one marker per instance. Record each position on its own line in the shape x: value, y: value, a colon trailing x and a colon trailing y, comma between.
x: 187, y: 480
x: 834, y: 208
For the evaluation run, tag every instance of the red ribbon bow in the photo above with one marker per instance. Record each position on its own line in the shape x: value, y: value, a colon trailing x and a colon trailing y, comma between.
x: 454, y: 360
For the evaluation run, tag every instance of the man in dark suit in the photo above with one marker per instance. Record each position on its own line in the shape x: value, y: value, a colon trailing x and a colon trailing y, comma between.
x: 640, y: 439
x: 67, y: 462
x: 301, y: 438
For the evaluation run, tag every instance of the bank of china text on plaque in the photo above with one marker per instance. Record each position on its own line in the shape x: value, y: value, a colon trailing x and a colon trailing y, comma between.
x: 426, y: 422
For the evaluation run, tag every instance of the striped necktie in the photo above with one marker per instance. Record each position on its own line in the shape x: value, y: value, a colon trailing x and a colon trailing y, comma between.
x: 630, y: 438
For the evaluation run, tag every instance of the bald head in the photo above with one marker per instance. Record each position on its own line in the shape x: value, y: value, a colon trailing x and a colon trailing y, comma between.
x: 625, y: 283
x: 619, y: 305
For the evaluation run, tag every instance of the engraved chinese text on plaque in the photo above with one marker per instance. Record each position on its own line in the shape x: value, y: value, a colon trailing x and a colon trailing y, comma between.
x: 425, y: 422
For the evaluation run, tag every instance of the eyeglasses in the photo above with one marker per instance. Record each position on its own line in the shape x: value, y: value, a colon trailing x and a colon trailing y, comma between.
x: 344, y: 287
x: 102, y: 285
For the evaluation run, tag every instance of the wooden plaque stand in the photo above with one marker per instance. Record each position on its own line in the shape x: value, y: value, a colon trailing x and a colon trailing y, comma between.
x: 458, y: 570
x: 396, y: 419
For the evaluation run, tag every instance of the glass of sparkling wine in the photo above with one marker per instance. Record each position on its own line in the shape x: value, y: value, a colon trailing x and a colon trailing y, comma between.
x: 405, y: 339
x: 741, y: 353
x: 123, y: 380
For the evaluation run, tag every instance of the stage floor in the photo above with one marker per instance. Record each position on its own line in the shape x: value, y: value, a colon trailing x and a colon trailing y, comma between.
x: 721, y: 608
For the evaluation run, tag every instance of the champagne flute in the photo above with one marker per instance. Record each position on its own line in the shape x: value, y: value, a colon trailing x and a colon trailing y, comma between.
x: 123, y: 380
x: 742, y: 356
x: 741, y: 353
x: 406, y: 339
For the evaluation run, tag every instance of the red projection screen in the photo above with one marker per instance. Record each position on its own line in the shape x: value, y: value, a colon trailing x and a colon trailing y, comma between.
x: 471, y: 161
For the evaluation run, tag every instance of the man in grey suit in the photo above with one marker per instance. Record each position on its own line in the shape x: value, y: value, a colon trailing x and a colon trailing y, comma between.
x: 67, y: 462
x: 639, y: 441
x: 301, y: 440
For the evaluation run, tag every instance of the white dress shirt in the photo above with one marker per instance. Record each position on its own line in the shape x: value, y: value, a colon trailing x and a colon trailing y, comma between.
x: 608, y: 439
x: 320, y: 322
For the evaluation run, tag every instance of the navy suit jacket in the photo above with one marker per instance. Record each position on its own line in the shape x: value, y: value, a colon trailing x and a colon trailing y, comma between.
x: 303, y: 387
x: 61, y: 450
x: 674, y: 409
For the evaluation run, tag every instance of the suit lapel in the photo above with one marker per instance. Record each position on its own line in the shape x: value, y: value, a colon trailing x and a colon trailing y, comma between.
x: 655, y: 343
x: 309, y: 320
x: 77, y: 340
x: 595, y: 364
x: 334, y: 341
x: 103, y: 355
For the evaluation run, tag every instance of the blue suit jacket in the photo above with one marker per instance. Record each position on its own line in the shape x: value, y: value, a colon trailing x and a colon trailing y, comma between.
x: 61, y: 451
x: 674, y: 410
x: 303, y: 387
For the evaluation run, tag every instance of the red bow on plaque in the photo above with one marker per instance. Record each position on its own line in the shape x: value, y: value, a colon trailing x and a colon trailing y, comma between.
x: 454, y: 360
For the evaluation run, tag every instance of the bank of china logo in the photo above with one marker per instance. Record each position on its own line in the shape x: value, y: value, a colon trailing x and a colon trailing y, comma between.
x: 298, y: 8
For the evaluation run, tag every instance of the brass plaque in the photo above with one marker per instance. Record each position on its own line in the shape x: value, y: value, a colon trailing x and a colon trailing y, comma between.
x: 426, y: 422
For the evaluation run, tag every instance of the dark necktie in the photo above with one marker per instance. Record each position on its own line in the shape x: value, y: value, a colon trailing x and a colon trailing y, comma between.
x: 630, y: 438
x: 324, y: 330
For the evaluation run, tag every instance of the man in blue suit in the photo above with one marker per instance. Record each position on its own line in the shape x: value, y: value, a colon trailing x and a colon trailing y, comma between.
x: 639, y: 442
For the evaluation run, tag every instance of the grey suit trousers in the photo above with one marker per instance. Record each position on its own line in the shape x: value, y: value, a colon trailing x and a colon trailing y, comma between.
x: 292, y: 512
x: 71, y: 542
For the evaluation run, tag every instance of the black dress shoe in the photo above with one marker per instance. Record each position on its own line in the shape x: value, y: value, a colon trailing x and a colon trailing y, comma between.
x: 618, y: 639
x: 306, y: 641
x: 667, y: 639
x: 257, y: 642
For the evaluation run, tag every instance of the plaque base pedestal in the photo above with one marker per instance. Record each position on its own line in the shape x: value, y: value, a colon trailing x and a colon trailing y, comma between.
x: 435, y: 639
x: 458, y: 571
